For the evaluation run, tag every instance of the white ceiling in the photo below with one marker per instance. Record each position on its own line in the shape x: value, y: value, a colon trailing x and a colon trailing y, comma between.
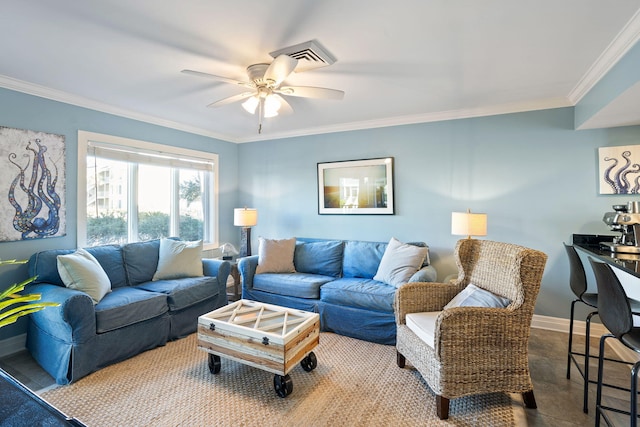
x: 406, y: 61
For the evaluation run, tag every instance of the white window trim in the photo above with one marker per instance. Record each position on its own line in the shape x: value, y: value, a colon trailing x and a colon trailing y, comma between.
x: 83, y: 142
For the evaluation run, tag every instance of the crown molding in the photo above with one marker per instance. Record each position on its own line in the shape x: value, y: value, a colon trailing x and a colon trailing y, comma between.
x: 67, y: 98
x: 79, y: 101
x: 620, y: 45
x: 465, y: 113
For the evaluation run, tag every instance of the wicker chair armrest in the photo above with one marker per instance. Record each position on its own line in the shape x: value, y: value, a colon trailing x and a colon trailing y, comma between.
x: 481, y: 336
x: 417, y: 297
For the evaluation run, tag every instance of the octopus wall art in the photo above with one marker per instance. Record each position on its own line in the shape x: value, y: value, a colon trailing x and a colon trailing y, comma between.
x: 619, y: 169
x: 32, y: 166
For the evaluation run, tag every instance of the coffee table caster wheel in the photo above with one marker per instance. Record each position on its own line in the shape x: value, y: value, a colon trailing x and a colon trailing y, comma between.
x: 214, y: 363
x: 283, y: 385
x: 310, y: 362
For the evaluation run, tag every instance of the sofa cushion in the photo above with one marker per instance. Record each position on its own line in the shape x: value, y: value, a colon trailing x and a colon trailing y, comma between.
x: 399, y: 262
x: 361, y: 259
x: 140, y: 261
x: 178, y: 259
x: 359, y: 292
x: 81, y: 271
x: 301, y: 285
x: 276, y: 256
x: 324, y: 257
x: 126, y: 306
x: 423, y: 325
x: 44, y: 264
x: 182, y: 293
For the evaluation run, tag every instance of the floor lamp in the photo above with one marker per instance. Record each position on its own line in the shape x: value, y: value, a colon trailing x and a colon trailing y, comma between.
x: 245, y: 218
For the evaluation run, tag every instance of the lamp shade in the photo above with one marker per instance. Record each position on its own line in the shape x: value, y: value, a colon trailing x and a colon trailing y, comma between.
x: 245, y: 217
x: 468, y: 224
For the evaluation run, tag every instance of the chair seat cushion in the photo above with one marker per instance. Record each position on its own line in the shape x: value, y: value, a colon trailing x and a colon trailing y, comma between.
x: 423, y: 325
x: 125, y: 306
x: 183, y: 293
x: 299, y: 285
x: 357, y: 292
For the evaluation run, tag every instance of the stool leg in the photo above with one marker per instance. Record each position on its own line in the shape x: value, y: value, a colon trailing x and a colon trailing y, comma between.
x: 600, y: 374
x: 585, y: 397
x: 573, y: 305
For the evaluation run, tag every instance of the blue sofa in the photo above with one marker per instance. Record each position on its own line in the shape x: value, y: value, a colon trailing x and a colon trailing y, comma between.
x: 335, y: 279
x: 78, y: 337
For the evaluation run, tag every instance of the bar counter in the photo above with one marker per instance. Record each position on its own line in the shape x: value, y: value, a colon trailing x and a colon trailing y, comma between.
x: 590, y: 244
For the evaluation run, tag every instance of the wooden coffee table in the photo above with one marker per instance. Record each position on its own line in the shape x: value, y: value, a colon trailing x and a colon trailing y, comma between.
x: 265, y: 336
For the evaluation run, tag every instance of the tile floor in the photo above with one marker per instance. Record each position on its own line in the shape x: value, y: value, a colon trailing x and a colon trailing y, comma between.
x: 559, y: 400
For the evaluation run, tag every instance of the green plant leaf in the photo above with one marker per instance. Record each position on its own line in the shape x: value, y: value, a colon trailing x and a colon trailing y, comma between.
x: 12, y: 319
x: 16, y: 299
x: 30, y: 308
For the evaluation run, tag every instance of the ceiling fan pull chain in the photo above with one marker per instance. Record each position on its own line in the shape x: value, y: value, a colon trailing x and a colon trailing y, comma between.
x: 260, y: 114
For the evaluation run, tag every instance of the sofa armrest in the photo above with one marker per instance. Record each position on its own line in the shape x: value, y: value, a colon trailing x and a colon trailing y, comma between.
x: 219, y: 269
x: 491, y: 335
x: 73, y: 320
x: 419, y: 297
x: 247, y: 268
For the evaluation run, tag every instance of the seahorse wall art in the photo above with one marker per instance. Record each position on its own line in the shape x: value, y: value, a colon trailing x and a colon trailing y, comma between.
x: 32, y: 166
x: 619, y: 169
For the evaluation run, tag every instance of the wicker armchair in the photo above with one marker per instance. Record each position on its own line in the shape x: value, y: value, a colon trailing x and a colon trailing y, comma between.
x: 475, y: 349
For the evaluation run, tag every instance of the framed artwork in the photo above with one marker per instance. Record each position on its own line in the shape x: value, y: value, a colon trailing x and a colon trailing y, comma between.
x: 356, y: 187
x: 32, y: 177
x: 619, y: 169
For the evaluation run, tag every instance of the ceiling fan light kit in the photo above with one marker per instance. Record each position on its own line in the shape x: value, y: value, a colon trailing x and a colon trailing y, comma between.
x: 265, y: 81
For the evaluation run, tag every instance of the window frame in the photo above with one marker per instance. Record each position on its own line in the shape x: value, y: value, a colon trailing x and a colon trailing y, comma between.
x: 84, y: 137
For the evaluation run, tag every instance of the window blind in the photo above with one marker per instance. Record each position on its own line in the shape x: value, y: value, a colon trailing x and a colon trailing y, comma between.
x: 151, y: 157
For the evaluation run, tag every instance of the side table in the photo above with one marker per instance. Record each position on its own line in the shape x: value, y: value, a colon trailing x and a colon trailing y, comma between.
x: 235, y: 273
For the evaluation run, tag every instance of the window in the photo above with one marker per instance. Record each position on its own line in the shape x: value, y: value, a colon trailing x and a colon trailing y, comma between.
x: 132, y: 190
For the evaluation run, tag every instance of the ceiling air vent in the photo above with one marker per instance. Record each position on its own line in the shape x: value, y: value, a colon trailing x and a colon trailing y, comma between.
x: 310, y: 55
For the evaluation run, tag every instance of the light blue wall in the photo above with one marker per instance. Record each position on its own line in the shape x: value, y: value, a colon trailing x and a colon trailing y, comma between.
x: 22, y: 111
x: 532, y: 173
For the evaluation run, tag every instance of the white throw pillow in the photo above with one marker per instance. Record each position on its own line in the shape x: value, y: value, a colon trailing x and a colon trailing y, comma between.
x: 276, y: 256
x: 473, y: 296
x: 399, y: 262
x: 81, y: 271
x: 178, y: 259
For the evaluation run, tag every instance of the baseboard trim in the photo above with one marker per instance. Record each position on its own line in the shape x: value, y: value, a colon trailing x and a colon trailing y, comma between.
x: 13, y: 345
x: 559, y: 324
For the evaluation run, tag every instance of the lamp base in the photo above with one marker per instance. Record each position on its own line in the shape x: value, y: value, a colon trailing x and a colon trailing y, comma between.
x: 245, y: 242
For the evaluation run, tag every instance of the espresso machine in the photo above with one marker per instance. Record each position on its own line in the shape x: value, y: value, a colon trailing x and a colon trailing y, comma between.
x: 626, y: 220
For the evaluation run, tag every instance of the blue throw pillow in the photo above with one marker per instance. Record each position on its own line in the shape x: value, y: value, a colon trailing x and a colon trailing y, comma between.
x: 473, y: 296
x: 323, y: 258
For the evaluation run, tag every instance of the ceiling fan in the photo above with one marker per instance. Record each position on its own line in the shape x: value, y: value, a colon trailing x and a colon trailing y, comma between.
x: 265, y: 90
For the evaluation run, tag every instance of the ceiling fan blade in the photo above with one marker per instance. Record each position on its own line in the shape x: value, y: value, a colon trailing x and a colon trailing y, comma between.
x: 285, y: 107
x: 229, y: 100
x: 280, y: 68
x: 311, y: 92
x: 219, y: 78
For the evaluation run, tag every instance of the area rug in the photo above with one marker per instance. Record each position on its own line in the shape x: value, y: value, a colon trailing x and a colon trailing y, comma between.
x: 356, y: 383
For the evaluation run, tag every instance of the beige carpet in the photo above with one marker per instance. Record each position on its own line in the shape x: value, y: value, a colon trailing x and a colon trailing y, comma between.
x: 356, y: 383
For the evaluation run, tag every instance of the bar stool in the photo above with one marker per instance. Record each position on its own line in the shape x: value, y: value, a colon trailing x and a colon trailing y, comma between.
x: 578, y: 283
x: 616, y: 311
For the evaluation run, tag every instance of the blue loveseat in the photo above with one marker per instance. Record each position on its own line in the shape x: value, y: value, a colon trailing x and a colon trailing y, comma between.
x: 138, y: 314
x: 335, y: 278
